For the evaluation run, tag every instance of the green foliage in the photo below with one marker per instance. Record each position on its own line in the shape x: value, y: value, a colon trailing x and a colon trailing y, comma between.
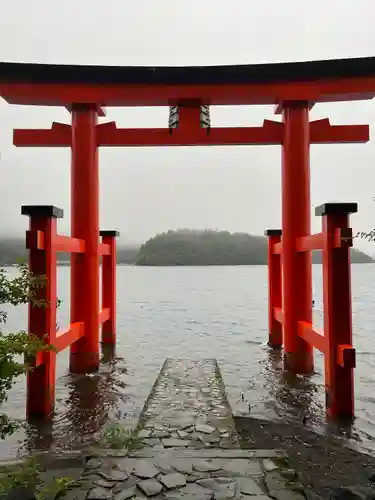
x: 23, y: 475
x: 16, y: 348
x: 27, y: 475
x: 201, y: 248
x: 186, y: 247
x: 55, y: 488
x: 13, y: 345
x: 116, y: 436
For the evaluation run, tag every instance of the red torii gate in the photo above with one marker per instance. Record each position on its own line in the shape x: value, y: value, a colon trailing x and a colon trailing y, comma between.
x: 84, y: 136
x: 292, y: 87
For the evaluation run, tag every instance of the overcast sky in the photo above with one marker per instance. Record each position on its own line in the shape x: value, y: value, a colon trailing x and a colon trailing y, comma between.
x: 144, y: 191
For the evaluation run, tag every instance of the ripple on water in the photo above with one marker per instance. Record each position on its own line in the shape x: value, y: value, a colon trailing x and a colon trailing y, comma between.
x: 203, y: 313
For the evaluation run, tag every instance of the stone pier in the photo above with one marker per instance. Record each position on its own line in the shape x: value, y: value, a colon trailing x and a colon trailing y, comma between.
x: 188, y: 407
x: 187, y: 448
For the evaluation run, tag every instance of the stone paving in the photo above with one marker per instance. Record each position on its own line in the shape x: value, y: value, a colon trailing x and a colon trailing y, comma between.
x: 187, y: 407
x: 187, y: 448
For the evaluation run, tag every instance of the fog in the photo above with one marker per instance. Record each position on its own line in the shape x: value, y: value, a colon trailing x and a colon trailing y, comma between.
x: 147, y: 190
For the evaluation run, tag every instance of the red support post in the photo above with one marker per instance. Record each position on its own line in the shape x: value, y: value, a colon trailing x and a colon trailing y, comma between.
x: 42, y: 318
x: 339, y: 355
x: 297, y: 267
x: 84, y: 354
x: 109, y: 287
x: 275, y: 338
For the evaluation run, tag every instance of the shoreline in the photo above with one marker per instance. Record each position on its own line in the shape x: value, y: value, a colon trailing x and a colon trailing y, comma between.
x: 323, y: 462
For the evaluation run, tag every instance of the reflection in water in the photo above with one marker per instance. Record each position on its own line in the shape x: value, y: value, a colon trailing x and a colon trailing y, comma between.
x: 91, y: 402
x: 296, y: 396
x: 39, y: 435
x: 299, y: 399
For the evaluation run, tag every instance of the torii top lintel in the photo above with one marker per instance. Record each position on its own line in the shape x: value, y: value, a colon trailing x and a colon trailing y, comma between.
x: 62, y: 85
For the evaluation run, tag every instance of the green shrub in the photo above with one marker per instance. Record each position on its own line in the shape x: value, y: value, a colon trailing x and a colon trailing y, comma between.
x: 16, y: 348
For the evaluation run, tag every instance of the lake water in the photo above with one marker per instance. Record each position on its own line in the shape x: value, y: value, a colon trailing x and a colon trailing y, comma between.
x: 197, y: 312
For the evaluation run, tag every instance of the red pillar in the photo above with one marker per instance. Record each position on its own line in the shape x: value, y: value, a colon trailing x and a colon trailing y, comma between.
x: 297, y: 268
x: 339, y: 356
x: 109, y: 287
x: 84, y: 354
x: 42, y: 320
x: 275, y: 338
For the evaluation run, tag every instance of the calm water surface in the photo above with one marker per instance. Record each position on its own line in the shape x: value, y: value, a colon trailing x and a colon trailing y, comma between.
x: 197, y: 312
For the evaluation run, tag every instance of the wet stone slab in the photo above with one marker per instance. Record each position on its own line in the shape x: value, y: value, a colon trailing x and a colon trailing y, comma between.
x: 188, y: 407
x: 188, y: 448
x: 180, y: 477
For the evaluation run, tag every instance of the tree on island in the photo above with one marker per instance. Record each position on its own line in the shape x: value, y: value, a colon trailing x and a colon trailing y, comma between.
x: 182, y: 247
x: 186, y: 247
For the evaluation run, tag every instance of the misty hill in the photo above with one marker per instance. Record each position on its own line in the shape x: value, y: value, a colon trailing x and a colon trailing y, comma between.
x: 182, y: 247
x: 127, y: 255
x: 185, y: 247
x: 12, y: 250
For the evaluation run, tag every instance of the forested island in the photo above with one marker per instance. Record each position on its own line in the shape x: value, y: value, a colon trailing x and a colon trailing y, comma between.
x: 185, y: 247
x: 182, y: 247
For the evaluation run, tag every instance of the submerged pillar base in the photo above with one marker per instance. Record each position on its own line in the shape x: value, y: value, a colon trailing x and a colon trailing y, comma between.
x: 81, y: 362
x: 301, y: 363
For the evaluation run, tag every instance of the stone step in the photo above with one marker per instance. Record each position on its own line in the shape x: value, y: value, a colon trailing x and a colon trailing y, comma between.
x: 206, y: 453
x: 180, y: 478
x: 188, y: 408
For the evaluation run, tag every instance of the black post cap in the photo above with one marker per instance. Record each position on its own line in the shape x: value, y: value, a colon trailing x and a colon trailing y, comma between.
x: 110, y: 232
x: 42, y: 211
x: 273, y: 232
x: 336, y: 209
